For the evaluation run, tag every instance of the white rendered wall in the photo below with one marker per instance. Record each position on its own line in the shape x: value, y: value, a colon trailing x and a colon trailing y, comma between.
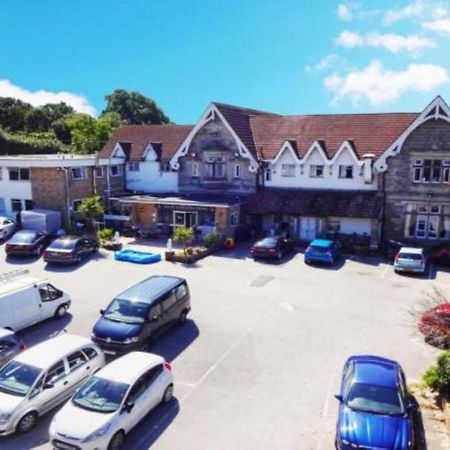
x: 10, y: 189
x: 330, y: 179
x: 357, y: 226
x: 151, y: 179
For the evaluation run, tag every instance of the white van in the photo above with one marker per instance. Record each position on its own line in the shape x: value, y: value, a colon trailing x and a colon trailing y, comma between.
x: 42, y: 378
x: 25, y: 300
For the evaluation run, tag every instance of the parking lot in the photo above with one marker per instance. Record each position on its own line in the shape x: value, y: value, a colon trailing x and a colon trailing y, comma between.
x: 258, y: 363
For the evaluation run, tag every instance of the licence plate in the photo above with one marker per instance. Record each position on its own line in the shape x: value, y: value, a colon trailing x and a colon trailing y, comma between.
x: 109, y: 352
x: 61, y: 445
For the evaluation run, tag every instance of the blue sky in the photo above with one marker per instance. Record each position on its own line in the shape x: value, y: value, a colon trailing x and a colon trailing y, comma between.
x: 289, y: 57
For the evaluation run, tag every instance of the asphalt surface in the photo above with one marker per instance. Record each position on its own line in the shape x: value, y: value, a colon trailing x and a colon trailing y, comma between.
x: 259, y: 361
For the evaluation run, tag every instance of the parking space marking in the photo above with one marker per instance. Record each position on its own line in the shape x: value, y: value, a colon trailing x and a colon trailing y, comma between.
x: 385, y: 270
x: 328, y: 396
x: 184, y: 383
x: 215, y: 365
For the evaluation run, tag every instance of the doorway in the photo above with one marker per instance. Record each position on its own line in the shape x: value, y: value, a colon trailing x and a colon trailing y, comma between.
x: 184, y: 219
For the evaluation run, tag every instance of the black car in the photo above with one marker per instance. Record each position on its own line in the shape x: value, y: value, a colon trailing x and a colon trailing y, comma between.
x: 271, y: 247
x: 27, y: 243
x: 70, y: 249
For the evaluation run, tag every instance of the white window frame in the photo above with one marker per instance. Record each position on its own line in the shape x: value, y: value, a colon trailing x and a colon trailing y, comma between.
x: 19, y: 173
x: 76, y: 201
x: 133, y: 166
x: 16, y: 200
x: 102, y: 172
x: 343, y: 171
x: 234, y: 219
x: 119, y: 170
x: 195, y: 172
x: 314, y: 170
x: 288, y: 170
x: 83, y: 173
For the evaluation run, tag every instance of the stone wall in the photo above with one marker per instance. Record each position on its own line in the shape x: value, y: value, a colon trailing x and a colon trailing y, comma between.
x: 430, y: 140
x: 215, y: 139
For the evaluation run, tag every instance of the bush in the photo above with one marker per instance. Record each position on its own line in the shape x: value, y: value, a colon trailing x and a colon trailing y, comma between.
x: 437, y: 377
x: 106, y: 234
x: 211, y: 239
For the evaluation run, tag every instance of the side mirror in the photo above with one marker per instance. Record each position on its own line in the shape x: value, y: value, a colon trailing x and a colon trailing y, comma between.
x: 128, y: 407
x: 154, y: 318
x: 48, y: 385
x: 102, y: 311
x: 411, y: 406
x: 339, y: 398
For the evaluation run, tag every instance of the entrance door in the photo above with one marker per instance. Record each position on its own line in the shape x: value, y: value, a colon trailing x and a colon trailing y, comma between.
x: 184, y: 219
x: 308, y: 228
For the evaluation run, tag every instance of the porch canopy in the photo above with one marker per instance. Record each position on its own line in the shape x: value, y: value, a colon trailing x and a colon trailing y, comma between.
x: 318, y: 203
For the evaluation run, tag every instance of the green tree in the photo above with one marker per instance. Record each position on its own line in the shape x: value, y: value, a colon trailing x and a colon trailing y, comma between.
x: 184, y: 235
x: 88, y: 134
x: 13, y: 114
x: 90, y: 209
x: 134, y: 108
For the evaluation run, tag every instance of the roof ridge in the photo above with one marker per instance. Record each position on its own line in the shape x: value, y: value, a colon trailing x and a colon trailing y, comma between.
x: 288, y: 116
x: 245, y: 109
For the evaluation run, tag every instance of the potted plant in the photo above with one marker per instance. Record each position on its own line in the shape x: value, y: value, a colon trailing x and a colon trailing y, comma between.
x: 107, y: 241
x: 229, y: 243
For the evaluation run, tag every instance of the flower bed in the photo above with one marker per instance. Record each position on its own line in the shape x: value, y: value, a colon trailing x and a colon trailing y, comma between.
x: 192, y: 255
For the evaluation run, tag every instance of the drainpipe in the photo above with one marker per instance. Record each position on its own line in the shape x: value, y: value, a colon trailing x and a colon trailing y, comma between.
x: 108, y: 181
x: 94, y: 177
x: 66, y: 189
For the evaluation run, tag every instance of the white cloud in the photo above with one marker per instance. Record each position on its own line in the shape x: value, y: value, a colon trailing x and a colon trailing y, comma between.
x: 325, y: 63
x: 41, y: 97
x: 378, y: 85
x: 395, y: 43
x: 439, y: 25
x: 413, y: 10
x: 344, y: 12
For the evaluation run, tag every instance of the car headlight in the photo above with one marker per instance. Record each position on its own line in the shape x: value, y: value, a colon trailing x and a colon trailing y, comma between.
x: 98, y: 433
x: 348, y: 443
x: 131, y: 340
x: 4, y: 417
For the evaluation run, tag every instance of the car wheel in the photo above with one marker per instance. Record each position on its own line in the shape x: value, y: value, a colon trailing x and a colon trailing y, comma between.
x: 61, y: 311
x: 117, y: 441
x: 27, y: 422
x: 168, y: 394
x: 182, y: 318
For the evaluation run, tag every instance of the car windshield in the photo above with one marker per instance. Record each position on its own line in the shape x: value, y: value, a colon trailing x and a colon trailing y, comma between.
x: 376, y: 399
x: 127, y: 311
x: 63, y: 244
x: 411, y: 256
x: 17, y: 378
x: 99, y: 394
x: 319, y: 249
x: 23, y: 238
x: 267, y: 242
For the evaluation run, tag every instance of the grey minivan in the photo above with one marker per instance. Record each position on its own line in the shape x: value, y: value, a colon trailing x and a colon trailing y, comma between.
x: 142, y: 312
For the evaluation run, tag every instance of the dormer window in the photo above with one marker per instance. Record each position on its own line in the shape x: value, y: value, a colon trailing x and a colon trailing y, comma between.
x: 316, y: 171
x: 346, y: 172
x: 288, y: 170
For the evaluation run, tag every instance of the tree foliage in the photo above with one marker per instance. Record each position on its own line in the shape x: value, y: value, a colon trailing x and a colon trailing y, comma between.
x: 29, y: 144
x: 184, y: 235
x: 91, y: 208
x: 134, y: 108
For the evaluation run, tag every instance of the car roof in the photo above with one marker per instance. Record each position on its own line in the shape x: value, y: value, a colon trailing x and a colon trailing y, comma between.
x: 150, y: 289
x: 321, y: 242
x: 375, y: 370
x: 67, y: 238
x: 22, y: 232
x: 129, y: 367
x: 46, y: 353
x: 416, y: 251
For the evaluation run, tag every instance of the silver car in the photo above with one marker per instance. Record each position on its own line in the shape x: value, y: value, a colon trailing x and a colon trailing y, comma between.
x: 410, y: 259
x: 10, y: 345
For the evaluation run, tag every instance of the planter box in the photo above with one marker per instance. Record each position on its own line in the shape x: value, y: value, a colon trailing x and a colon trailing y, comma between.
x: 170, y: 256
x: 113, y: 246
x: 189, y: 259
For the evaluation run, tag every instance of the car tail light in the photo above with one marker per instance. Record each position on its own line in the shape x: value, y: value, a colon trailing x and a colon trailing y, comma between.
x: 253, y: 248
x: 46, y: 253
x: 23, y: 346
x: 397, y: 257
x: 168, y: 366
x: 272, y: 250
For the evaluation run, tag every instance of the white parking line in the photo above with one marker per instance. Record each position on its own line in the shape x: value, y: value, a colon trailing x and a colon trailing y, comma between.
x: 385, y: 271
x: 325, y: 409
x: 214, y: 366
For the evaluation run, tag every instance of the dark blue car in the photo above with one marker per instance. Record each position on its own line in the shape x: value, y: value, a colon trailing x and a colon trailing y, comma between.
x: 375, y: 410
x: 322, y: 251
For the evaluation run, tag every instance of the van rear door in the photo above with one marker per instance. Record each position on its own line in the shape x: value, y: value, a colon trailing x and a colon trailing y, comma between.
x: 24, y: 305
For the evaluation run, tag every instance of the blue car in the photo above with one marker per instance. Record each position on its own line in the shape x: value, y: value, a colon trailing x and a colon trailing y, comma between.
x: 375, y: 410
x: 322, y: 250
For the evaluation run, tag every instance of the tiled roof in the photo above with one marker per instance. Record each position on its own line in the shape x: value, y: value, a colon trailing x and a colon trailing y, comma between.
x: 167, y: 139
x: 239, y: 120
x: 318, y: 203
x: 369, y: 133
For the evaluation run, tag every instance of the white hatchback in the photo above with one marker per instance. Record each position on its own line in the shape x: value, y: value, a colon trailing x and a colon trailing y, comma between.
x: 42, y: 377
x: 7, y: 227
x: 112, y: 402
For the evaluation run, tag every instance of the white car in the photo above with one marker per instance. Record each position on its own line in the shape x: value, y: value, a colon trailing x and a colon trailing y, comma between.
x: 112, y: 402
x: 410, y: 259
x: 7, y: 227
x: 42, y: 377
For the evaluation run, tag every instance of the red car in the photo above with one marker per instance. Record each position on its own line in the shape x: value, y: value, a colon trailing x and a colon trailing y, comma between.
x: 435, y: 325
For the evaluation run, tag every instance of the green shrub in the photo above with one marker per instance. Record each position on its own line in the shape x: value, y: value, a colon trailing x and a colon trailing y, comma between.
x: 211, y: 239
x: 437, y: 377
x: 106, y: 234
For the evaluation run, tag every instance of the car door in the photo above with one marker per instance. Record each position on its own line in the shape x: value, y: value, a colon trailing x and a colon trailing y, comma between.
x: 48, y: 301
x: 8, y: 348
x: 155, y: 387
x: 53, y: 389
x: 80, y: 369
x: 170, y: 310
x: 135, y: 405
